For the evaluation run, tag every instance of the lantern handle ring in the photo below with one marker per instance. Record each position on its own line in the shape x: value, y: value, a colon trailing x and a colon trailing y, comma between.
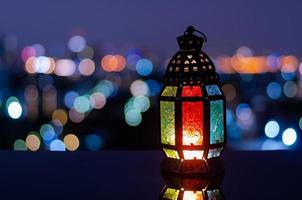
x: 191, y: 30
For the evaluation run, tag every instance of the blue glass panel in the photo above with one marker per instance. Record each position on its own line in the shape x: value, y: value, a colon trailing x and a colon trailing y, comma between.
x: 213, y: 90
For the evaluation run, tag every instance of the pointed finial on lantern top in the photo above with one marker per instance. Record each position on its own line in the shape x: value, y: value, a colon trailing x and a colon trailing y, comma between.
x: 189, y: 41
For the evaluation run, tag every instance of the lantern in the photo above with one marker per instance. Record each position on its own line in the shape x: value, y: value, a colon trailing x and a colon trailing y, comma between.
x: 192, y: 111
x: 192, y: 189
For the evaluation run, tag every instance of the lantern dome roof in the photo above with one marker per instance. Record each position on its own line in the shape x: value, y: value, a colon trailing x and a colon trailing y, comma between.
x: 190, y: 65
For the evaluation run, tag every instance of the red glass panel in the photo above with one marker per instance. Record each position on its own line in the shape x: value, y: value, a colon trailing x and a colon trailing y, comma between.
x: 191, y: 91
x: 192, y: 123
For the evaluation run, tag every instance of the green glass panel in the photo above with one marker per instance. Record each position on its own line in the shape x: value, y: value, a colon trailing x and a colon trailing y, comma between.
x: 170, y: 91
x: 167, y: 122
x: 216, y: 122
x: 171, y: 153
x: 171, y: 194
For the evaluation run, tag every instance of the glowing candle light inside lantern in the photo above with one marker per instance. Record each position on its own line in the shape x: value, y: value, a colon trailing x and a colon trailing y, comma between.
x: 192, y: 123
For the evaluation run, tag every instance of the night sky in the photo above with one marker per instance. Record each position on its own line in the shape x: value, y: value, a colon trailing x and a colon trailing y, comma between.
x: 264, y: 26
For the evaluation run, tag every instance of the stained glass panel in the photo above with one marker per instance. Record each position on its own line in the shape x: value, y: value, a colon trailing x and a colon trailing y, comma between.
x: 171, y: 153
x: 191, y: 195
x: 214, y: 194
x: 167, y: 122
x: 191, y: 155
x: 171, y: 194
x: 191, y: 91
x: 213, y: 90
x: 170, y: 91
x: 192, y: 118
x: 214, y: 152
x: 216, y: 122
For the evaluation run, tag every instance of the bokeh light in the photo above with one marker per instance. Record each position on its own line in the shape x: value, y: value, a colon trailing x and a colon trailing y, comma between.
x: 57, y: 126
x: 47, y: 132
x: 105, y: 87
x: 75, y: 116
x: 245, y: 116
x: 20, y: 145
x: 76, y: 43
x: 86, y: 67
x: 274, y: 90
x: 139, y: 88
x: 289, y: 136
x: 57, y: 145
x: 133, y: 117
x: 244, y: 51
x: 113, y: 63
x: 60, y: 115
x: 141, y: 103
x: 97, y: 100
x: 270, y: 145
x: 33, y: 142
x: 144, y: 67
x: 132, y: 57
x: 272, y: 129
x: 290, y: 89
x: 69, y: 98
x: 288, y: 76
x: 14, y: 108
x: 93, y: 142
x: 229, y: 92
x: 81, y: 104
x: 65, y: 67
x: 28, y: 52
x: 300, y: 123
x: 154, y: 87
x: 71, y: 142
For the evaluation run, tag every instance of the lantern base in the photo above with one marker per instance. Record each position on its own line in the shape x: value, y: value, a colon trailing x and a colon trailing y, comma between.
x: 192, y: 168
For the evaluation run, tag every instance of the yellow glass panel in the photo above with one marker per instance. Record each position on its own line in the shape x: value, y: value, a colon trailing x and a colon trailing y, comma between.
x: 171, y: 194
x: 191, y: 195
x: 170, y: 91
x: 167, y: 122
x: 191, y: 155
x: 171, y: 153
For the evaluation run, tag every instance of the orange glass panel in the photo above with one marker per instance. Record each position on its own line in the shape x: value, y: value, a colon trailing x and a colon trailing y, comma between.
x: 191, y: 155
x: 191, y: 91
x: 191, y: 195
x: 192, y: 123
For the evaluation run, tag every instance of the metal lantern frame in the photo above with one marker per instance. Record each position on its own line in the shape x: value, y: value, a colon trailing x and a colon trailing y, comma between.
x: 191, y: 67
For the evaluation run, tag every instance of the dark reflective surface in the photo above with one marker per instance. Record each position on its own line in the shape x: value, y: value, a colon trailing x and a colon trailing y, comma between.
x: 192, y: 188
x: 136, y: 175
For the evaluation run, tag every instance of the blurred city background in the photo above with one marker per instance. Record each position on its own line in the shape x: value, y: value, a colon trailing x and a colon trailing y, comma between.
x: 85, y: 75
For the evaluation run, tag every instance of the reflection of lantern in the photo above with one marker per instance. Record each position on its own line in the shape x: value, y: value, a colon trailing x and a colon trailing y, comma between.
x: 192, y: 110
x: 192, y: 189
